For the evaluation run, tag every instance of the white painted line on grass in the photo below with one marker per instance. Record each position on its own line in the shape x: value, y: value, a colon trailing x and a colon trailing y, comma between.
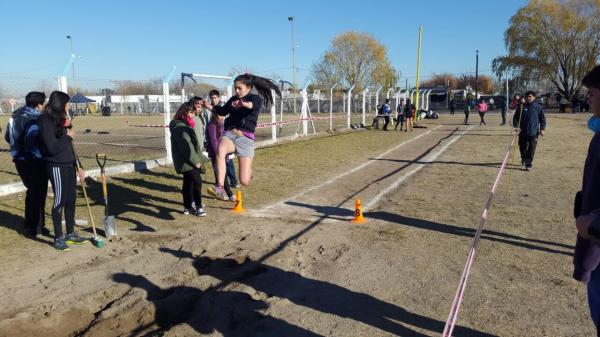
x: 360, y: 167
x: 429, y: 158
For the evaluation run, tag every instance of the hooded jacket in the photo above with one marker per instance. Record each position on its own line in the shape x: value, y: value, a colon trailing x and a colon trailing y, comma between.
x: 587, y: 253
x: 533, y: 119
x: 185, y: 148
x: 22, y: 133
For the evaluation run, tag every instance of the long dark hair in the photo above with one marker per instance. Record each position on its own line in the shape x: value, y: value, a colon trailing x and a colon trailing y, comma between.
x: 263, y: 86
x: 183, y: 110
x: 56, y: 108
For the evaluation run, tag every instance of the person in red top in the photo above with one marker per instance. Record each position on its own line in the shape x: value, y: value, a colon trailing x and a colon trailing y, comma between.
x: 482, y: 107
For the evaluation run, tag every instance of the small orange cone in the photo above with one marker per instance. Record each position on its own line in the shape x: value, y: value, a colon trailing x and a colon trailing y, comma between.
x: 358, y: 213
x: 238, y: 203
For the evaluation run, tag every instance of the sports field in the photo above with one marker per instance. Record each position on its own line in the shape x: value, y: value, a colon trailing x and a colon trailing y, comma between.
x: 294, y: 265
x: 130, y: 138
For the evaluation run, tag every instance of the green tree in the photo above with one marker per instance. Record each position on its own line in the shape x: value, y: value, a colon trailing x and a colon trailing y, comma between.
x: 552, y: 40
x: 354, y: 58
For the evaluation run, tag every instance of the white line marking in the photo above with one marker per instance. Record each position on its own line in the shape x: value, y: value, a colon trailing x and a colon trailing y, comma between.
x: 429, y: 158
x: 365, y: 164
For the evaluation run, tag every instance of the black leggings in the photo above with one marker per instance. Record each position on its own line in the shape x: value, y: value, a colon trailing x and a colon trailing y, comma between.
x: 64, y: 184
x: 192, y: 188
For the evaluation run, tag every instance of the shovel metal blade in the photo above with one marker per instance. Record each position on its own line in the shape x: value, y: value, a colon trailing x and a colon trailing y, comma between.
x: 110, y: 226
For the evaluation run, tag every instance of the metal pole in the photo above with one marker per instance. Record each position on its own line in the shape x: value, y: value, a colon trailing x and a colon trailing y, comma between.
x: 331, y: 107
x: 364, y: 106
x: 506, y: 99
x: 167, y: 114
x: 476, y: 75
x: 273, y: 118
x: 291, y: 19
x: 418, y: 73
x: 349, y: 106
x: 71, y: 47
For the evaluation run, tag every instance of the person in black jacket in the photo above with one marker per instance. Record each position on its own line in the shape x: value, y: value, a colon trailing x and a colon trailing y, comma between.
x: 243, y: 110
x: 56, y: 139
x: 530, y: 121
x: 587, y: 207
x: 22, y: 135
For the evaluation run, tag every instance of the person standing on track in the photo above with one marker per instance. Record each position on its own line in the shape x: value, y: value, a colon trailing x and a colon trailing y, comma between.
x: 587, y: 207
x: 385, y: 110
x: 452, y: 106
x: 409, y: 113
x: 243, y: 110
x: 56, y: 139
x: 215, y: 100
x: 482, y: 107
x: 503, y: 104
x: 22, y: 134
x: 400, y: 119
x: 530, y: 122
x: 467, y: 111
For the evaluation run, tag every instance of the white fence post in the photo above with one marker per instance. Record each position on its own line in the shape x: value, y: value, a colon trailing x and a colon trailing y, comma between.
x: 377, y: 99
x: 331, y: 107
x: 167, y: 114
x: 349, y: 106
x: 273, y: 117
x: 304, y: 110
x: 62, y: 77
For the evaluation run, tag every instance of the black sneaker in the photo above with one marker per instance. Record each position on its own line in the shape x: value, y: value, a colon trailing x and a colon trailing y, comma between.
x: 59, y: 244
x: 527, y: 168
x: 74, y: 239
x: 188, y: 211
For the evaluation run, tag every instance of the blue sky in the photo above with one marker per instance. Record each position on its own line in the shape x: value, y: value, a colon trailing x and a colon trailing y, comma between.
x: 138, y: 40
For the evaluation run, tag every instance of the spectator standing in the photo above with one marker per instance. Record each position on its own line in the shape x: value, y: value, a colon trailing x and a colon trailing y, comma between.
x: 530, y: 121
x: 22, y: 133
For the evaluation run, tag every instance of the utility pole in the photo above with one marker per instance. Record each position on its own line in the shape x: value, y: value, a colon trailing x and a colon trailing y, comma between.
x: 291, y: 20
x: 70, y: 38
x: 476, y: 75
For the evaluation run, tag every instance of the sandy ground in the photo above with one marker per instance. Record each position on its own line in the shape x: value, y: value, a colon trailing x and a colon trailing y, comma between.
x: 294, y: 265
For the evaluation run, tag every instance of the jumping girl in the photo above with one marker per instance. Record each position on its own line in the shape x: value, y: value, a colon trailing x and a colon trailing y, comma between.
x: 243, y: 110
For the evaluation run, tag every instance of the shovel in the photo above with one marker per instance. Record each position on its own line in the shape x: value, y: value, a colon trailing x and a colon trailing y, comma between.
x: 110, y: 226
x: 96, y: 240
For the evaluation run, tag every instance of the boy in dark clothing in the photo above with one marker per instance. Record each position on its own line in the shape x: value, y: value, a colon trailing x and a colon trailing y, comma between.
x: 587, y: 207
x: 400, y: 119
x: 22, y: 135
x: 503, y: 111
x: 385, y: 109
x: 530, y: 125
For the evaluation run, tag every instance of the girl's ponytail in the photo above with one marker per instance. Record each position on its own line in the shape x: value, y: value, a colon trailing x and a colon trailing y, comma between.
x: 262, y: 85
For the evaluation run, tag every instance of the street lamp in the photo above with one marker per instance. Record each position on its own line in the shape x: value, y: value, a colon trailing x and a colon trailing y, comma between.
x: 291, y: 20
x: 476, y: 75
x: 70, y: 38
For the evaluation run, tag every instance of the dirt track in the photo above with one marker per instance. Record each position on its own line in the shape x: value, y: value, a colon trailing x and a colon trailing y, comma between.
x: 294, y: 265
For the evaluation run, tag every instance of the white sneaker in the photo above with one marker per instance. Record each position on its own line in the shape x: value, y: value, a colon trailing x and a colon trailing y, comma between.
x: 200, y: 212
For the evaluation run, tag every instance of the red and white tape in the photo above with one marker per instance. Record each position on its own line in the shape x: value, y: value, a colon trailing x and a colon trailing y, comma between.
x: 258, y: 126
x: 462, y: 285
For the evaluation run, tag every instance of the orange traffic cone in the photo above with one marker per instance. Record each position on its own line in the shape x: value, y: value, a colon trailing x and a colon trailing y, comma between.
x: 358, y: 213
x: 239, y: 208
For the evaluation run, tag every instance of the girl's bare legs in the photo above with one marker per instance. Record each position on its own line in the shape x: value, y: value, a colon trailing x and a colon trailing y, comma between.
x: 225, y: 147
x: 245, y: 164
